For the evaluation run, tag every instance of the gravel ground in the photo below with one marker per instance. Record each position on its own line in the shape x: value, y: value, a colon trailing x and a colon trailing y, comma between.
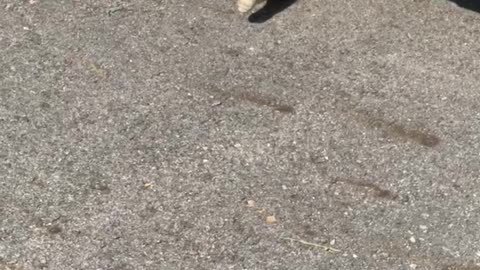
x: 161, y: 134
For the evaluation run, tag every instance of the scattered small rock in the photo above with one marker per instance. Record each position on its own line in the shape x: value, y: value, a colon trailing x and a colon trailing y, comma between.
x: 261, y: 211
x: 251, y: 203
x: 271, y: 220
x: 147, y: 185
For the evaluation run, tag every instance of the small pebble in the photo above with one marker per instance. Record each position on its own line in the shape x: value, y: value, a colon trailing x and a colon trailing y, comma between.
x: 412, y: 240
x: 271, y: 219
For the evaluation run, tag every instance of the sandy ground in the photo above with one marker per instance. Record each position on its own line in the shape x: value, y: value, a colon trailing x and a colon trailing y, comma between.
x: 166, y: 134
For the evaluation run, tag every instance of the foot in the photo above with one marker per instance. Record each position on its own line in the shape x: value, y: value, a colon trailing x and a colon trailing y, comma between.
x: 245, y: 5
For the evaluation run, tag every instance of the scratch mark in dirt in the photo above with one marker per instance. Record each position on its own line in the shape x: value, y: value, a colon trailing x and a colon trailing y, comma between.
x: 398, y: 131
x: 254, y: 98
x: 378, y: 191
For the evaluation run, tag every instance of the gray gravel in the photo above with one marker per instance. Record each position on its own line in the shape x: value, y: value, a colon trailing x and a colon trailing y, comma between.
x: 161, y: 134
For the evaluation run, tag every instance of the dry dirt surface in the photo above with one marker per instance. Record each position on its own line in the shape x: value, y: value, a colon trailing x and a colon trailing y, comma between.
x: 167, y: 134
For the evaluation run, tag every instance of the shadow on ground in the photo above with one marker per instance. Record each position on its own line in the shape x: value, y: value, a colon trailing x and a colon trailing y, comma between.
x: 468, y: 4
x: 271, y: 8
